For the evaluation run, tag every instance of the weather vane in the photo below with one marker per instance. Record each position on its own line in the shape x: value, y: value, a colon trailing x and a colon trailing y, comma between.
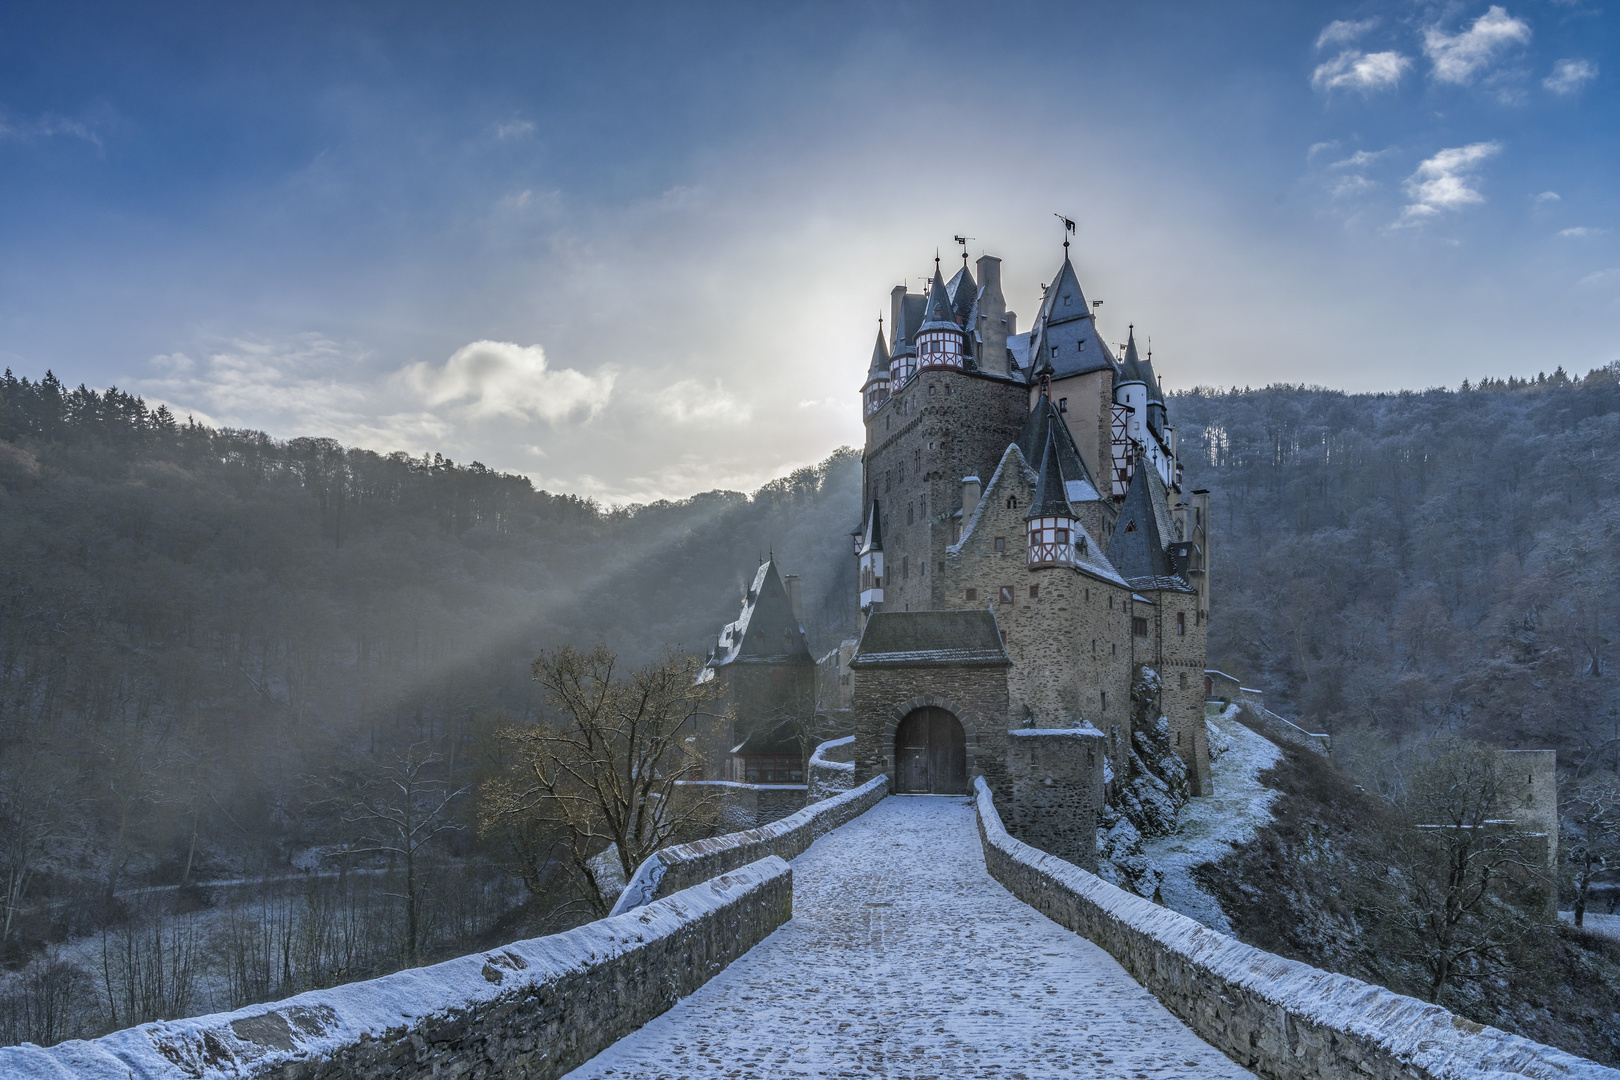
x: 963, y: 240
x: 1068, y: 227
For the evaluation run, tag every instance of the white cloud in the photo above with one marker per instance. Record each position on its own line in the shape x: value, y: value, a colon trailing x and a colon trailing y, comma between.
x: 47, y: 126
x: 1444, y: 182
x: 1580, y: 231
x: 1361, y: 159
x: 1601, y: 277
x: 1320, y: 148
x: 514, y: 129
x: 1343, y: 31
x: 1359, y: 72
x: 690, y: 402
x: 1354, y: 184
x: 1366, y: 72
x: 501, y: 378
x: 1546, y: 197
x: 1569, y: 76
x: 1459, y: 57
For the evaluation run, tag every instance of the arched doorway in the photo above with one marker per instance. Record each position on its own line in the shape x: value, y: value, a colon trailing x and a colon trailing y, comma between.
x: 930, y: 754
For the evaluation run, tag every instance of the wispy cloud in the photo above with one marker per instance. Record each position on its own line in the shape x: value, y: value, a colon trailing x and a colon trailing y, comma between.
x: 514, y: 129
x: 1320, y: 148
x: 1366, y: 72
x: 47, y: 126
x: 1348, y: 186
x: 1460, y: 57
x: 1362, y: 158
x: 1546, y: 197
x: 1569, y: 76
x: 691, y: 402
x: 1580, y: 231
x: 501, y: 378
x: 1343, y: 31
x: 1445, y: 181
x: 1601, y: 277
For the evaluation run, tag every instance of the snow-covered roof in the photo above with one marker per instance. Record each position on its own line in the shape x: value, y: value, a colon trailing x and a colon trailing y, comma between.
x: 928, y: 638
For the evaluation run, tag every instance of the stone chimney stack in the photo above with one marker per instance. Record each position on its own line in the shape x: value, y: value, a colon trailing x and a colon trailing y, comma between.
x: 995, y: 321
x: 792, y: 583
x: 897, y: 301
x: 970, y: 497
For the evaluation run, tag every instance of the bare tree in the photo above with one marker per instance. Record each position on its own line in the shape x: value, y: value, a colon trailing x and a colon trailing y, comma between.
x: 1591, y: 818
x: 609, y: 768
x: 1465, y: 884
x: 33, y: 817
x: 401, y: 806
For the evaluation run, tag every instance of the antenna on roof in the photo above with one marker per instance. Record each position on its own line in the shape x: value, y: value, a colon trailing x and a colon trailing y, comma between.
x: 1068, y: 227
x: 963, y: 241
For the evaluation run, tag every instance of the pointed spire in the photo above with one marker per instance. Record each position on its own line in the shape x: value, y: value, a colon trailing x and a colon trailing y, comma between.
x: 872, y: 535
x: 1130, y: 369
x: 1065, y: 301
x: 940, y: 313
x: 1138, y: 548
x: 1051, y: 493
x: 879, y: 368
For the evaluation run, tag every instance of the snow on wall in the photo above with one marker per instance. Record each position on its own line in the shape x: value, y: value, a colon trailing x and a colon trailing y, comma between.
x: 534, y: 1008
x: 670, y: 869
x: 1279, y: 1017
x: 827, y: 778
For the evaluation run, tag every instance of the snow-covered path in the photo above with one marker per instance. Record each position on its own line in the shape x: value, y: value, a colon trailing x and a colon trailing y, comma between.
x: 904, y: 958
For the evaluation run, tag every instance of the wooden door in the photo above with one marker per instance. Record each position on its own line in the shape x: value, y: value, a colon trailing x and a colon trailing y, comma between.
x: 930, y: 754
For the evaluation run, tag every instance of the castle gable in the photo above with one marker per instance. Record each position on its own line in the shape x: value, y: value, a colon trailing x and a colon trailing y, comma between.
x: 767, y: 632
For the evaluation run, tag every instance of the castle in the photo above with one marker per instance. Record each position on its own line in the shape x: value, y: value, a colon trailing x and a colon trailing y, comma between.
x: 1029, y: 560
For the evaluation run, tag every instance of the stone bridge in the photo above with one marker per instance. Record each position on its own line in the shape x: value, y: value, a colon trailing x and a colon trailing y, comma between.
x: 910, y: 937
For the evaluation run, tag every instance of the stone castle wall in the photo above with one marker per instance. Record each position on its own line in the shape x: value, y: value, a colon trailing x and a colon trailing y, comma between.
x: 1179, y: 660
x: 1283, y: 1019
x: 1055, y: 780
x: 535, y: 1009
x: 976, y: 696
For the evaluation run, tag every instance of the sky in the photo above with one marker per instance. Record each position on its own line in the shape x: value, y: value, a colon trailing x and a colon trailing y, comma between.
x: 637, y: 251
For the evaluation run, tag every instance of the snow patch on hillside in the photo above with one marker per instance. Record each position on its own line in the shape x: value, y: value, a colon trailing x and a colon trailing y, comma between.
x: 1213, y: 825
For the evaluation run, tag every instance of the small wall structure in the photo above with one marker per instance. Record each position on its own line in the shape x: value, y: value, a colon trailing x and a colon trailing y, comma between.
x: 535, y: 1009
x: 748, y: 806
x: 831, y: 770
x: 1281, y: 1018
x: 1055, y: 780
x: 681, y: 866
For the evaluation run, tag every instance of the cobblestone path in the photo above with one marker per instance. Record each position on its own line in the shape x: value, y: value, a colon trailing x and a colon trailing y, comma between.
x: 905, y: 959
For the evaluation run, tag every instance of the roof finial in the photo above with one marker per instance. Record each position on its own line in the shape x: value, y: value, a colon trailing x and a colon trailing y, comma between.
x: 1068, y: 227
x: 936, y: 262
x: 963, y: 241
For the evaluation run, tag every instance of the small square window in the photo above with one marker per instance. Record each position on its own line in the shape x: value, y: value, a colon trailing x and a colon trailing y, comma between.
x: 1063, y: 404
x: 970, y: 594
x: 1034, y: 592
x: 1000, y: 543
x: 1139, y: 626
x: 1006, y: 594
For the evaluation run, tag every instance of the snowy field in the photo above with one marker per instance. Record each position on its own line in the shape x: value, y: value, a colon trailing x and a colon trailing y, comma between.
x: 1211, y: 826
x: 905, y: 959
x: 1606, y: 925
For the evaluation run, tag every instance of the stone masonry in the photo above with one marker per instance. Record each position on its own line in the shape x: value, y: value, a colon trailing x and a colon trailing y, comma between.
x: 1055, y: 785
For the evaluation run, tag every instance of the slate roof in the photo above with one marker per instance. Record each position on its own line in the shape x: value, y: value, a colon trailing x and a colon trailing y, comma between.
x: 905, y: 331
x: 940, y: 313
x: 1045, y: 424
x: 781, y: 740
x: 931, y: 638
x: 1137, y: 549
x: 766, y: 632
x: 1065, y: 324
x: 1130, y: 368
x: 872, y: 534
x: 1051, y: 499
x: 964, y: 296
x: 879, y: 368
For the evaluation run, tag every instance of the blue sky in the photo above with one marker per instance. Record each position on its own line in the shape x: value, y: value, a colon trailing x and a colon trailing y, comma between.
x: 637, y: 251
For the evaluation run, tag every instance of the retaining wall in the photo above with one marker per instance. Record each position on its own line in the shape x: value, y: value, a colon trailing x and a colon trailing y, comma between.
x: 1281, y: 1018
x: 535, y: 1009
x: 682, y: 865
x: 831, y: 770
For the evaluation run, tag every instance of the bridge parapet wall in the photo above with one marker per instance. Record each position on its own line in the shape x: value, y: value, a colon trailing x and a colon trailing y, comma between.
x: 535, y: 1008
x: 1283, y: 1019
x: 831, y: 770
x: 681, y: 866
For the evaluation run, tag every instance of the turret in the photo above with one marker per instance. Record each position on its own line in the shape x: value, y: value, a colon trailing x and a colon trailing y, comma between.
x: 1131, y: 389
x: 1053, y: 528
x: 871, y: 561
x: 875, y: 391
x: 941, y: 342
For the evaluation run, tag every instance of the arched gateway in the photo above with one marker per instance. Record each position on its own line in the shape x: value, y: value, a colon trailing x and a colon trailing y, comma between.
x: 930, y: 754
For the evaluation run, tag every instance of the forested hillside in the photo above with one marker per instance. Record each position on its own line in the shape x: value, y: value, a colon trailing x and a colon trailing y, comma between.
x: 1390, y: 565
x: 210, y: 639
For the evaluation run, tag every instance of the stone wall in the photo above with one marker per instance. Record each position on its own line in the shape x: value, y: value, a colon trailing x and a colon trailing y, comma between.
x: 831, y: 770
x: 1178, y: 657
x: 1055, y: 780
x: 1283, y: 1019
x: 678, y: 867
x: 535, y: 1009
x: 748, y: 806
x: 976, y: 696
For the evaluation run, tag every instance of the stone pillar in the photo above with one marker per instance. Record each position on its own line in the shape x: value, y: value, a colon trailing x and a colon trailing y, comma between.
x: 1055, y: 790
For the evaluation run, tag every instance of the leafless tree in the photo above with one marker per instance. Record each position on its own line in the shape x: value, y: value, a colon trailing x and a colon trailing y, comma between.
x: 1591, y: 820
x: 609, y: 767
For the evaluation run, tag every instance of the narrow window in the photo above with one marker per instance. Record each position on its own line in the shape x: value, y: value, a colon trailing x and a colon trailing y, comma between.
x: 922, y: 506
x: 1006, y: 594
x: 911, y: 516
x: 1093, y: 646
x: 1139, y: 626
x: 1082, y: 345
x: 1105, y: 700
x: 1063, y: 404
x: 1181, y: 631
x: 886, y: 484
x: 905, y: 567
x: 1183, y: 686
x: 970, y: 594
x: 1088, y: 600
x: 1113, y: 650
x: 1012, y: 502
x: 1034, y: 592
x: 930, y: 389
x: 1000, y: 543
x: 1062, y: 536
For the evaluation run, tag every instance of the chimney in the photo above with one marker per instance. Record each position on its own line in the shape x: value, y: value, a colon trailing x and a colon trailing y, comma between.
x: 970, y: 497
x: 897, y: 302
x: 792, y: 583
x: 995, y: 323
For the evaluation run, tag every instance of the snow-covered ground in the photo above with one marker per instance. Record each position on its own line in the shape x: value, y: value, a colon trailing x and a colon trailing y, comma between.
x: 904, y: 958
x: 1607, y: 925
x: 1212, y: 825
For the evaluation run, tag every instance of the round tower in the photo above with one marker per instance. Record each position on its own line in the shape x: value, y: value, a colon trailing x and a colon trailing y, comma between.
x: 941, y: 342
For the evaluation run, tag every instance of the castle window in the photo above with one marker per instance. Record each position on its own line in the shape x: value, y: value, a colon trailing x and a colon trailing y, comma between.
x: 930, y: 389
x: 1060, y: 536
x: 947, y: 390
x: 1034, y: 592
x: 970, y: 594
x: 1006, y: 594
x: 1181, y: 628
x: 1093, y: 646
x: 1012, y: 502
x: 911, y: 516
x: 1063, y: 404
x: 1000, y: 543
x: 1138, y: 626
x: 922, y: 506
x: 1184, y: 680
x: 905, y: 567
x: 1082, y: 345
x: 1113, y: 650
x: 1105, y: 706
x: 1082, y: 544
x: 1130, y: 526
x: 1054, y: 350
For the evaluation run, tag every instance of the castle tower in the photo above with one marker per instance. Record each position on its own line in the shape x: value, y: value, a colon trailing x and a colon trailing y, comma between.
x: 941, y: 342
x: 870, y: 554
x: 875, y: 391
